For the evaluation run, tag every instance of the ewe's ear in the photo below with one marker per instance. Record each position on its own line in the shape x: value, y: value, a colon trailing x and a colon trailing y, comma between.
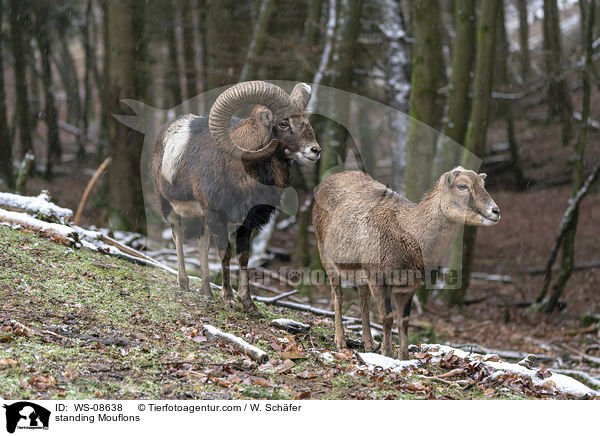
x: 483, y: 176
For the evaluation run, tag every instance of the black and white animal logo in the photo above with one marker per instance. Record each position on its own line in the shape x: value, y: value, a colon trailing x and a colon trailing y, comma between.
x: 26, y: 415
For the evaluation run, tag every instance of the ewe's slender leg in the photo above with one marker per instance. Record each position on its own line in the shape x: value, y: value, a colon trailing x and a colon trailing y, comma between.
x: 381, y: 294
x: 364, y: 296
x: 203, y: 246
x: 338, y: 299
x: 403, y: 297
x: 243, y: 247
x: 182, y: 278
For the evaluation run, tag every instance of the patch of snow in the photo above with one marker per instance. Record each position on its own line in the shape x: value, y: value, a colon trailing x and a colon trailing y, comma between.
x: 563, y: 383
x: 215, y: 332
x: 377, y: 360
x: 290, y: 323
x: 327, y: 357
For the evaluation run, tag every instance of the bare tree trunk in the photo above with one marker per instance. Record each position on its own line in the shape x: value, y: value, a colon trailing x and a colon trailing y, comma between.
x: 457, y: 109
x: 477, y: 130
x: 568, y: 246
x: 41, y: 13
x: 523, y: 38
x: 558, y: 95
x: 5, y: 137
x: 18, y: 20
x: 126, y: 52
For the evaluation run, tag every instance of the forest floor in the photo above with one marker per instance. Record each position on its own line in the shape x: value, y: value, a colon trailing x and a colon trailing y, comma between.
x: 78, y: 324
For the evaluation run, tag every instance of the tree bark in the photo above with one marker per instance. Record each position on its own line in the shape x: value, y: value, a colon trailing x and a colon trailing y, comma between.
x: 477, y: 130
x: 5, y: 137
x: 87, y: 75
x: 18, y: 20
x: 126, y: 57
x: 41, y: 12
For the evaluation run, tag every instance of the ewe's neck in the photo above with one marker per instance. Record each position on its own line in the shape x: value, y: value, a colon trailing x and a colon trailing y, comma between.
x: 431, y: 227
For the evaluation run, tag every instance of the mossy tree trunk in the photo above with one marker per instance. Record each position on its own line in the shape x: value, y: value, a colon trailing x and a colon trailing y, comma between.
x: 456, y: 117
x: 425, y: 81
x: 126, y: 58
x: 477, y: 131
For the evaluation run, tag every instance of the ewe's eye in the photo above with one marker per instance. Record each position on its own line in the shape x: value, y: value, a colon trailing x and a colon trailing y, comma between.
x: 462, y: 187
x: 284, y: 124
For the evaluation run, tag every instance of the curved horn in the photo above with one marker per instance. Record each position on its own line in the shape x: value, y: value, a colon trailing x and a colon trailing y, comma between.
x: 246, y: 93
x: 301, y: 95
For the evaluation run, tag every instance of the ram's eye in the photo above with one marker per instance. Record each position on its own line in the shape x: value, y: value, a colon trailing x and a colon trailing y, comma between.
x: 462, y: 187
x: 284, y: 124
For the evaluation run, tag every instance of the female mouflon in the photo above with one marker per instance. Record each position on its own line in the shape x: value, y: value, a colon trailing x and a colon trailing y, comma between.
x: 368, y: 232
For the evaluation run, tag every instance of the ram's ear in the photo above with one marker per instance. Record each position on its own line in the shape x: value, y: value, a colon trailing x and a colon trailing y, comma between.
x: 483, y: 176
x: 264, y: 116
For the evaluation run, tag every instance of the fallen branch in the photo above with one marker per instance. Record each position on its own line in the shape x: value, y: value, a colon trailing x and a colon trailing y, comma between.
x: 505, y: 354
x: 239, y: 344
x: 565, y: 224
x: 269, y: 300
x: 88, y: 189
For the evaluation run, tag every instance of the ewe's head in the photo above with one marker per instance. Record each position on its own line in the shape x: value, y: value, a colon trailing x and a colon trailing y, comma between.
x: 464, y: 199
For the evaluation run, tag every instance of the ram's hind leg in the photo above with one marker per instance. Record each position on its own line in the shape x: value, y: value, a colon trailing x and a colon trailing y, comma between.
x: 364, y: 296
x: 227, y: 292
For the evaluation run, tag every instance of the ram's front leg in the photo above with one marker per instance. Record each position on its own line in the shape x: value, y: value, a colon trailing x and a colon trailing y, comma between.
x: 242, y: 242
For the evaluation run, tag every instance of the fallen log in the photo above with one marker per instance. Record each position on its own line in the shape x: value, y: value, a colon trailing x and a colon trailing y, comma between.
x: 239, y: 344
x: 41, y: 207
x: 60, y: 233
